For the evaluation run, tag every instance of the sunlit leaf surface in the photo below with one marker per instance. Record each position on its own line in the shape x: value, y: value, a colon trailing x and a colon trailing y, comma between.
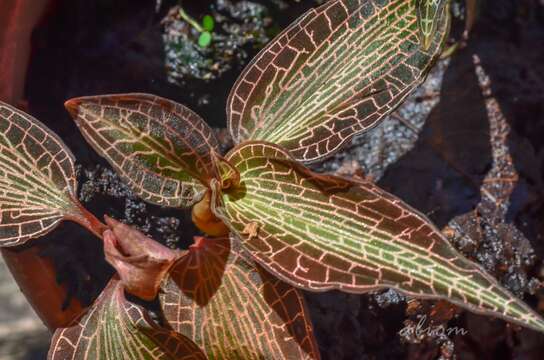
x: 335, y: 72
x: 233, y: 308
x: 37, y: 178
x: 324, y: 232
x: 115, y: 329
x: 159, y: 147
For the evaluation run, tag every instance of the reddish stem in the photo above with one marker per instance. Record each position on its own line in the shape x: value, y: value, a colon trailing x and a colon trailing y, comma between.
x: 205, y: 220
x: 86, y: 219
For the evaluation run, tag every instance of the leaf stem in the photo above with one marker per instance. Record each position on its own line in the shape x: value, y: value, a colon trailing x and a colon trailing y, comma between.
x: 190, y: 20
x: 86, y: 219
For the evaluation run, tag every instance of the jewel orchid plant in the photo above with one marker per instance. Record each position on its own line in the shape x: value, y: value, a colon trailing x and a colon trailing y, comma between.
x: 272, y: 225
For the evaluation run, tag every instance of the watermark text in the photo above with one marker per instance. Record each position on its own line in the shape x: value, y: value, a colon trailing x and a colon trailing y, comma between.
x: 421, y: 329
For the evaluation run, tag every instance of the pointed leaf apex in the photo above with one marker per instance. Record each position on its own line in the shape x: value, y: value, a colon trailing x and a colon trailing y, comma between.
x: 72, y: 106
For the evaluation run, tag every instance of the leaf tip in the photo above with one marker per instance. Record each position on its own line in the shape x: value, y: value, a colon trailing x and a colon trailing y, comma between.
x: 72, y: 106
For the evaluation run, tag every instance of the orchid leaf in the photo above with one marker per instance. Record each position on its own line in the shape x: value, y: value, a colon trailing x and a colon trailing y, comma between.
x: 334, y: 73
x: 222, y: 300
x: 428, y: 19
x: 322, y: 232
x: 159, y: 147
x: 115, y: 329
x: 37, y: 178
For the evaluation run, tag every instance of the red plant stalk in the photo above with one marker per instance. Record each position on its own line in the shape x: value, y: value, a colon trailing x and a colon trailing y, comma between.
x: 84, y: 218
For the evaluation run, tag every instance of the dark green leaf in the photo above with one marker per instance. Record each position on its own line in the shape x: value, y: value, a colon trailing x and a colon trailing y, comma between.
x: 205, y: 39
x: 334, y: 73
x: 159, y: 147
x: 208, y: 23
x: 324, y: 232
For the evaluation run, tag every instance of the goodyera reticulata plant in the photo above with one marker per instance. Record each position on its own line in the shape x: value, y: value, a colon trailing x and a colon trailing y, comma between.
x: 272, y: 225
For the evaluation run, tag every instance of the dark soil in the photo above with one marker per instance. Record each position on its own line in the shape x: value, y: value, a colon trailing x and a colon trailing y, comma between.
x: 98, y: 47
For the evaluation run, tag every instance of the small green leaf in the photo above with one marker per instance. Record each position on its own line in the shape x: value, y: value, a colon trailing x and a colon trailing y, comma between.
x: 115, y: 329
x: 37, y: 178
x: 159, y: 147
x: 334, y: 73
x: 205, y: 39
x: 324, y: 232
x: 208, y: 23
x: 222, y: 300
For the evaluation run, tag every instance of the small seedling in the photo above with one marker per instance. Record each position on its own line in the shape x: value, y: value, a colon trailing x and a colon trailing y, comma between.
x: 205, y: 29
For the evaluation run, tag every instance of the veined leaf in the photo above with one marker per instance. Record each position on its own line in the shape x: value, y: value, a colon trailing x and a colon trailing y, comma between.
x: 221, y: 299
x: 115, y: 329
x: 37, y: 178
x: 324, y: 232
x: 428, y: 19
x: 225, y: 173
x: 159, y: 147
x: 334, y: 73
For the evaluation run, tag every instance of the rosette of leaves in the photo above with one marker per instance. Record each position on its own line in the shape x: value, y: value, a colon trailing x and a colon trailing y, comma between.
x: 334, y: 73
x: 38, y: 187
x: 38, y: 191
x: 276, y: 226
x: 216, y: 302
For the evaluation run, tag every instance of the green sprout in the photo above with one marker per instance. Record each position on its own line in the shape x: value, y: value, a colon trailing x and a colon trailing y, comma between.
x: 208, y: 23
x: 205, y: 29
x: 205, y: 39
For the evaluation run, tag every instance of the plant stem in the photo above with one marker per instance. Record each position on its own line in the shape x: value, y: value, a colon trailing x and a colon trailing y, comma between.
x: 190, y: 20
x: 206, y: 221
x: 86, y: 219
